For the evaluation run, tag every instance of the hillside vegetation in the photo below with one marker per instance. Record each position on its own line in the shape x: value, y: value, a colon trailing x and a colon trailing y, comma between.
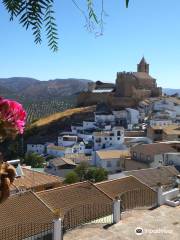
x: 39, y: 109
x: 48, y: 128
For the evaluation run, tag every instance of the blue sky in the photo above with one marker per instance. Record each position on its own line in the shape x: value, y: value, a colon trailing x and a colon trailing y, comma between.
x: 149, y: 28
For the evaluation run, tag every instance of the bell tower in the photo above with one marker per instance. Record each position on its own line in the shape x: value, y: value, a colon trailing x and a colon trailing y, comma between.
x: 143, y: 66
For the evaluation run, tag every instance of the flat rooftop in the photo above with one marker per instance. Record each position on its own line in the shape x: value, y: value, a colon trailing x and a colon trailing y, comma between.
x: 162, y: 223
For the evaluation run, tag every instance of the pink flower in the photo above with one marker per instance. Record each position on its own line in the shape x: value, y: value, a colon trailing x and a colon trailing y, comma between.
x: 12, y: 114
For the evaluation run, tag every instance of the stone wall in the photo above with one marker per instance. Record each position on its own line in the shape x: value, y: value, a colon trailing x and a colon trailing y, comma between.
x: 88, y: 98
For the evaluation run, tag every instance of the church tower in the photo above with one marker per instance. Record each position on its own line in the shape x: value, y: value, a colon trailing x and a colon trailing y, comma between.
x: 143, y: 66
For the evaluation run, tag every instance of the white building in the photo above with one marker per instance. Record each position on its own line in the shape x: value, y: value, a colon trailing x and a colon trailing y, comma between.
x: 103, y: 118
x: 163, y: 104
x: 153, y: 155
x: 133, y: 115
x: 160, y: 122
x: 89, y: 125
x: 67, y: 140
x: 112, y: 160
x: 106, y: 139
x: 85, y: 135
x: 37, y: 148
x: 60, y: 166
x: 172, y: 159
x: 58, y: 151
x: 79, y: 148
x: 75, y: 127
x: 171, y: 105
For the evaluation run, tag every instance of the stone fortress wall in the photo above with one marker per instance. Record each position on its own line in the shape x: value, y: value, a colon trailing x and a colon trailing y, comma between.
x: 130, y: 88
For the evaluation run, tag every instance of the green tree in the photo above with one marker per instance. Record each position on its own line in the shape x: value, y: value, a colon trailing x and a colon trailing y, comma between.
x: 81, y: 170
x: 71, y: 177
x: 49, y: 157
x: 39, y: 15
x: 85, y: 172
x: 34, y: 160
x: 100, y: 174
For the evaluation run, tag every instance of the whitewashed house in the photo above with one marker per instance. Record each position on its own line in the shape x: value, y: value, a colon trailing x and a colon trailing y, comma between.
x: 133, y: 115
x: 106, y: 139
x: 172, y: 159
x: 60, y: 166
x: 58, y: 151
x: 160, y: 122
x: 171, y: 105
x: 67, y: 140
x: 104, y: 115
x: 37, y: 148
x: 112, y: 160
x: 153, y: 155
x: 85, y: 135
x: 121, y: 117
x: 75, y: 127
x: 89, y: 125
x: 163, y: 104
x: 79, y: 148
x: 103, y: 118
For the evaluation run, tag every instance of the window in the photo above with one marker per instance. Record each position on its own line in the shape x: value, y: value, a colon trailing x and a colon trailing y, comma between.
x: 118, y: 138
x: 118, y: 164
x: 134, y: 154
x: 118, y: 133
x: 148, y: 157
x: 110, y: 138
x: 109, y: 164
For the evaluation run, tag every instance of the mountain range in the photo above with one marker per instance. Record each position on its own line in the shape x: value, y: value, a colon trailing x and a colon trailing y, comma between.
x: 171, y: 91
x: 30, y: 89
x: 22, y: 88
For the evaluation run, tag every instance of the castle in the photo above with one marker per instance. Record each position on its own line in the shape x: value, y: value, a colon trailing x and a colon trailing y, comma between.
x: 129, y: 89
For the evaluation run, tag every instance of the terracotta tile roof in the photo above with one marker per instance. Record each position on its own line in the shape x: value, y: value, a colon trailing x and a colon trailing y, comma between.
x: 152, y: 176
x: 61, y: 148
x: 62, y: 161
x: 69, y: 196
x: 115, y: 188
x: 172, y: 129
x: 153, y: 148
x: 26, y: 209
x: 112, y: 154
x: 78, y: 157
x: 33, y: 179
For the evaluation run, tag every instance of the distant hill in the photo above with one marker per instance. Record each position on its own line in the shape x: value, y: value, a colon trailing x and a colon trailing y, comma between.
x: 43, y: 98
x: 170, y: 91
x: 27, y: 89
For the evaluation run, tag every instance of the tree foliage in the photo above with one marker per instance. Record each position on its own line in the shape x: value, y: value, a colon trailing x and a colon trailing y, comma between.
x: 34, y: 160
x: 35, y: 14
x: 85, y: 172
x: 39, y: 15
x: 71, y: 177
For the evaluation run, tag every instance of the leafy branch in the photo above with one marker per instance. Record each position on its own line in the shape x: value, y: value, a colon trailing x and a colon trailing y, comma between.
x: 36, y: 13
x: 33, y: 13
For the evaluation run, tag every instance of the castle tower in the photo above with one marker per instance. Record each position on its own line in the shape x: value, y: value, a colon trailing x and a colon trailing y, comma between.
x: 143, y: 66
